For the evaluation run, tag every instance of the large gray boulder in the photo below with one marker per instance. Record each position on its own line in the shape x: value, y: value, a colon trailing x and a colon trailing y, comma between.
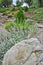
x: 26, y: 52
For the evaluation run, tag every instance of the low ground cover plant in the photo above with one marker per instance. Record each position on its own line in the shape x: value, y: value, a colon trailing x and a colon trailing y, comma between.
x: 9, y: 25
x: 3, y: 10
x: 38, y: 15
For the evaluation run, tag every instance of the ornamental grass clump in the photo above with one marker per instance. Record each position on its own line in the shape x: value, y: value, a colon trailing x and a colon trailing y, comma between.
x: 20, y: 16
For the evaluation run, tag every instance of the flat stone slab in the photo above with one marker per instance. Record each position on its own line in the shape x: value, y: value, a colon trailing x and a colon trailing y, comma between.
x: 39, y: 25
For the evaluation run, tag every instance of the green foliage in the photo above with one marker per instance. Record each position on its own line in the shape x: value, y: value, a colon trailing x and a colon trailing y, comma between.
x: 8, y: 25
x: 41, y: 3
x: 14, y: 26
x: 25, y: 9
x: 3, y: 9
x: 38, y: 14
x: 35, y: 3
x: 25, y: 26
x: 14, y: 9
x: 6, y: 3
x: 37, y: 17
x: 31, y: 10
x: 18, y: 3
x: 0, y: 2
x: 20, y: 16
x: 39, y: 11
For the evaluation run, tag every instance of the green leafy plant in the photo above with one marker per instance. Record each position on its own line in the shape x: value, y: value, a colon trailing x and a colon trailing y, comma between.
x: 8, y: 25
x: 3, y: 9
x: 38, y: 14
x: 20, y: 16
x: 26, y: 9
